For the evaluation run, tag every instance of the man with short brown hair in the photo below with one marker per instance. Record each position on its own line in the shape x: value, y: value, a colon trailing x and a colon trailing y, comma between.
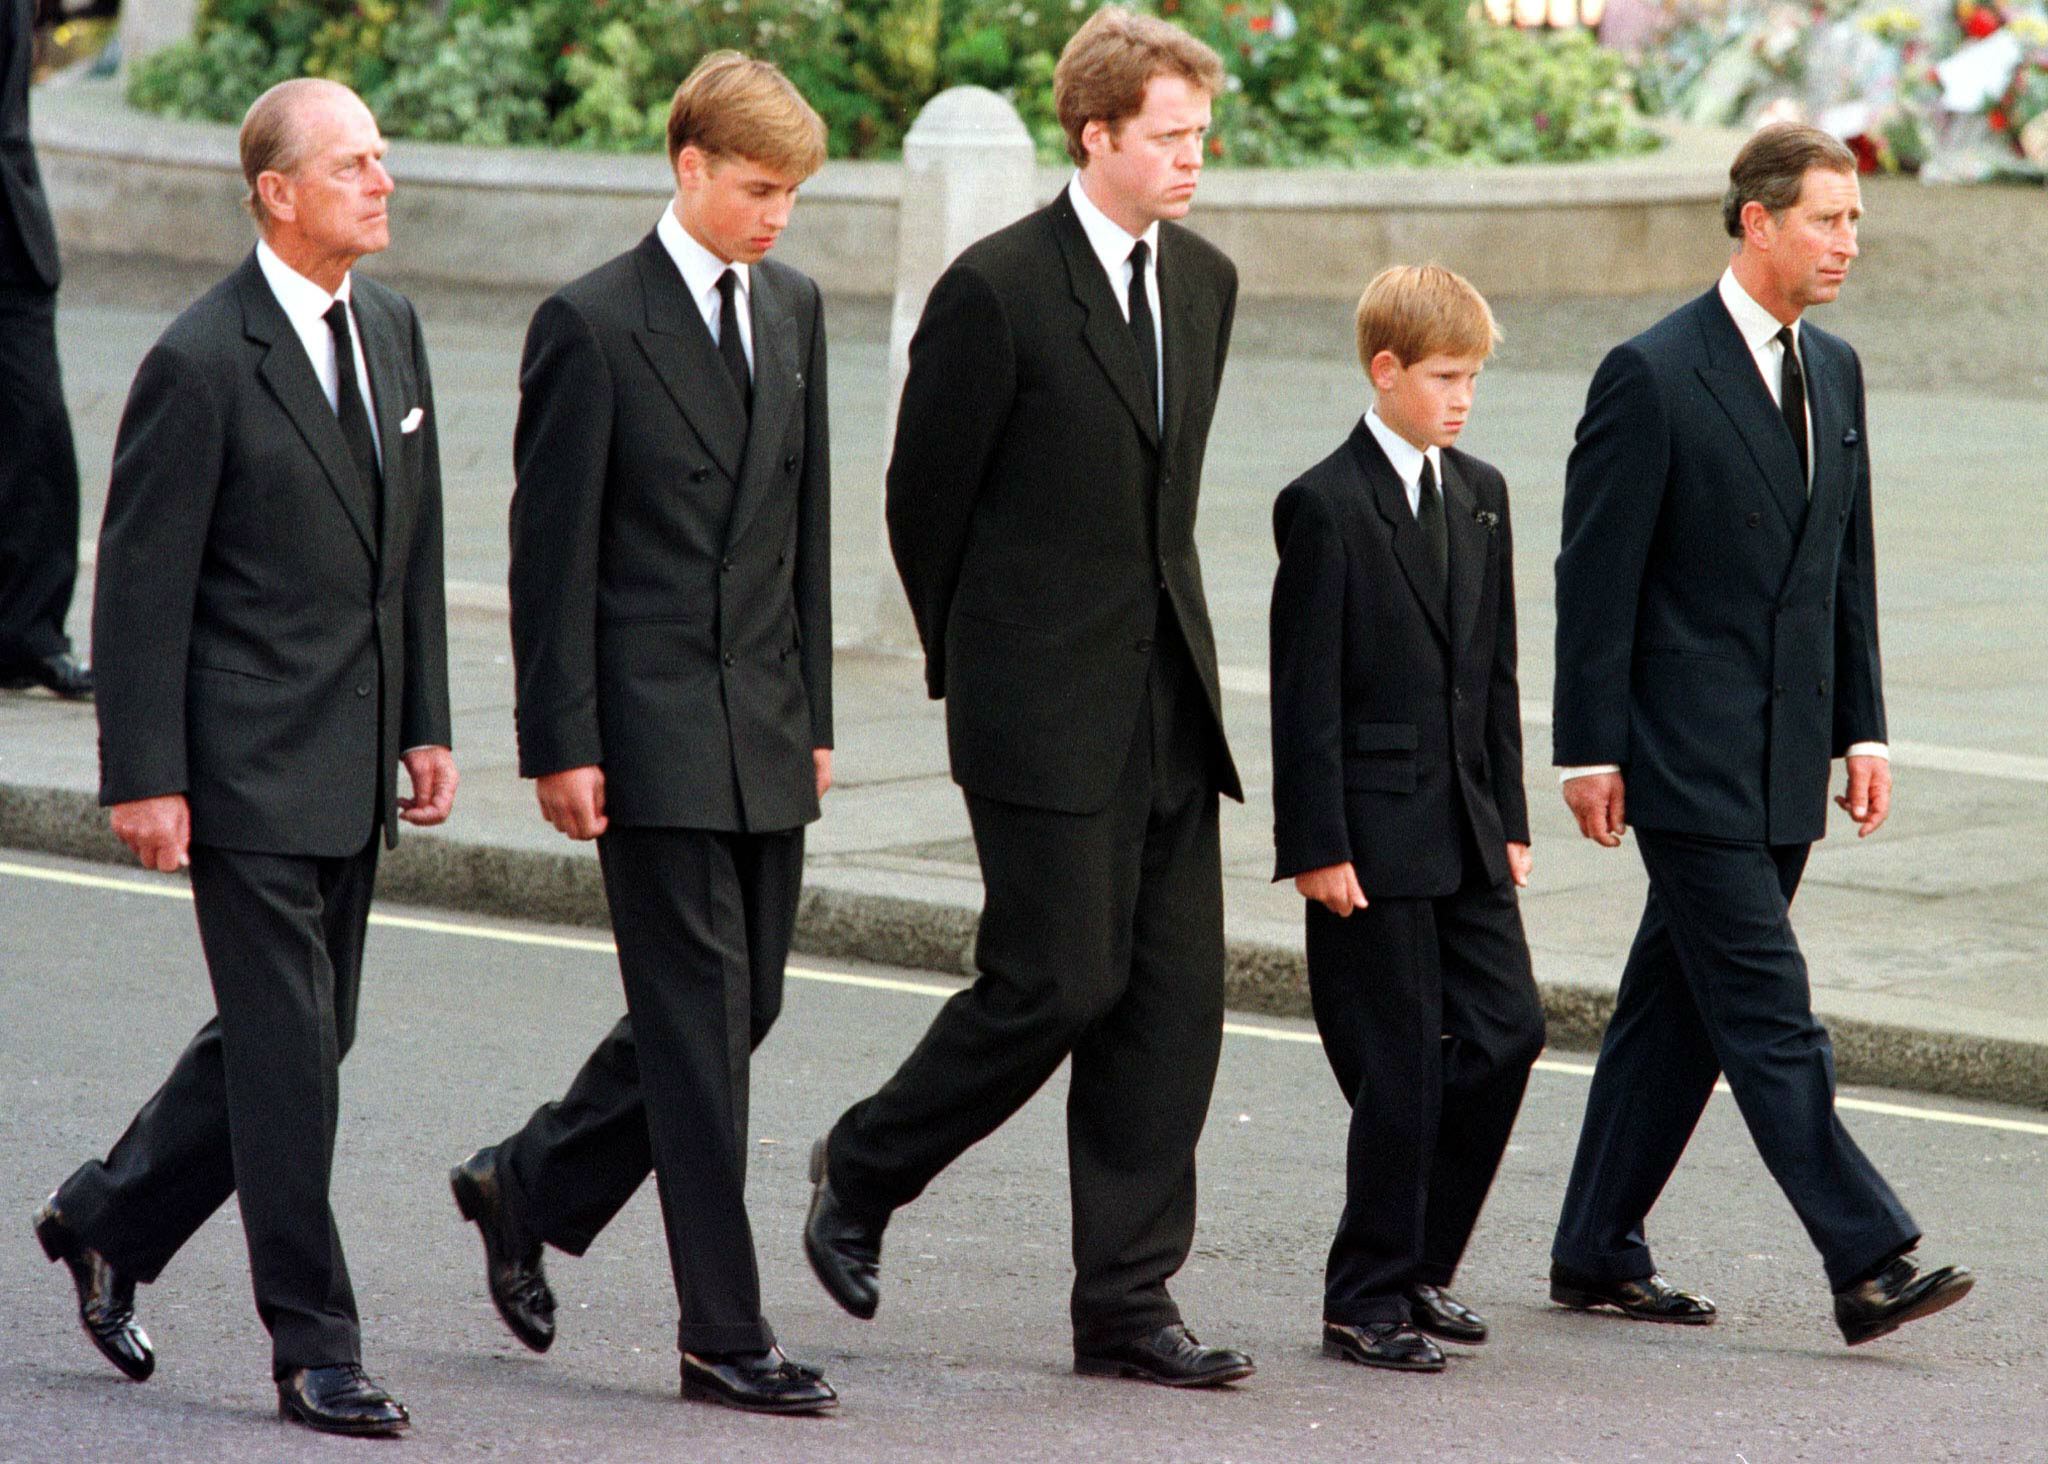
x: 1041, y: 507
x: 1716, y: 647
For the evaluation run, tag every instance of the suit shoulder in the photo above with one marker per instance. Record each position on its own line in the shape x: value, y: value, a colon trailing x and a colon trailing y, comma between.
x: 1316, y: 492
x: 208, y: 328
x: 383, y: 296
x: 1477, y: 471
x: 601, y: 293
x: 789, y: 277
x: 1192, y: 249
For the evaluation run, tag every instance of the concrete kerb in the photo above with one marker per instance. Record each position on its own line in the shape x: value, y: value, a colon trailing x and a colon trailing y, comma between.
x: 835, y: 920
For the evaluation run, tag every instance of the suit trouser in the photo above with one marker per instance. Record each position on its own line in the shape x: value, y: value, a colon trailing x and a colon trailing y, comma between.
x: 250, y: 1106
x: 1715, y: 984
x: 703, y: 921
x: 1101, y: 938
x: 38, y: 482
x: 1430, y: 1018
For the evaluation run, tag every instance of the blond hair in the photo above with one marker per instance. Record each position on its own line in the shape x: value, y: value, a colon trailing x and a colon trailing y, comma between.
x: 1107, y: 64
x: 733, y: 106
x: 272, y: 139
x: 1422, y: 310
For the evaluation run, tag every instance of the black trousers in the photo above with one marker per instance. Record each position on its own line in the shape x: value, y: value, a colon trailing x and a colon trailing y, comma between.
x: 251, y: 1104
x: 703, y: 922
x: 38, y: 482
x: 1430, y: 1017
x: 1101, y: 939
x: 1715, y: 984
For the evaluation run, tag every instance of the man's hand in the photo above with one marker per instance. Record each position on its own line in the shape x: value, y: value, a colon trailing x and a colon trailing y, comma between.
x: 159, y: 830
x: 1520, y: 862
x: 433, y: 775
x: 821, y: 763
x: 573, y: 800
x: 1335, y: 887
x: 1597, y: 802
x: 1869, y: 797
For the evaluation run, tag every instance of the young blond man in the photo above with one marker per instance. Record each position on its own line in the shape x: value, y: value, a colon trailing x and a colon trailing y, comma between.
x: 1400, y: 817
x: 672, y: 639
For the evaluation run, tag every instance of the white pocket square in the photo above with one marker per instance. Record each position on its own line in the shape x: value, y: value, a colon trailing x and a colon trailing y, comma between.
x: 413, y: 419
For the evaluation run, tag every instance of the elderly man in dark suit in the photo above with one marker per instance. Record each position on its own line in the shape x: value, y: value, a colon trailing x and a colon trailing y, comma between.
x: 1716, y: 647
x: 38, y: 466
x: 1041, y: 507
x: 271, y: 637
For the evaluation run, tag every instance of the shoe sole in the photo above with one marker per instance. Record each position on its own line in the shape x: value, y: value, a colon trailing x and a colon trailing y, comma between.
x: 47, y: 1227
x: 290, y: 1414
x: 1095, y: 1367
x: 1576, y: 1300
x: 468, y: 1205
x: 1933, y: 1302
x: 864, y: 1312
x: 697, y: 1392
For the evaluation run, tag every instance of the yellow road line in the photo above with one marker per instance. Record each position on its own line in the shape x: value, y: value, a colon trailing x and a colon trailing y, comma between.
x: 142, y: 886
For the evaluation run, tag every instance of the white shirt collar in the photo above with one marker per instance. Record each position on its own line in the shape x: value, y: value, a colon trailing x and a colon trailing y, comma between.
x: 1757, y: 325
x: 699, y: 266
x: 304, y: 303
x: 1109, y: 239
x: 1406, y: 457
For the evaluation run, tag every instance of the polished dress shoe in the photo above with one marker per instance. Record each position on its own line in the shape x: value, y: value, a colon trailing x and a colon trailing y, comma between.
x: 1648, y: 1299
x: 759, y: 1382
x: 1171, y: 1357
x: 1898, y: 1294
x: 845, y: 1251
x: 1438, y: 1314
x: 342, y: 1399
x: 106, y: 1298
x: 1395, y: 1345
x: 62, y: 673
x: 518, y: 1283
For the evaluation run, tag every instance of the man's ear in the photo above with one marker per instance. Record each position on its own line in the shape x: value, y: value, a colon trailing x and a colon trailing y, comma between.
x: 1757, y: 225
x: 279, y: 198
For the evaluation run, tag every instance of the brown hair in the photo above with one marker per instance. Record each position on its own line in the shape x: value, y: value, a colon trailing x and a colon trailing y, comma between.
x: 1422, y: 310
x: 1103, y: 72
x: 735, y: 106
x: 1771, y: 169
x: 272, y: 139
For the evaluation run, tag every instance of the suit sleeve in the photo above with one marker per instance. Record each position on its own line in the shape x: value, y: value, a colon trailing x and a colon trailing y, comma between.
x: 1614, y: 489
x: 168, y: 455
x: 814, y: 538
x: 1504, y: 696
x: 1859, y: 685
x: 956, y: 400
x: 1306, y: 660
x: 424, y: 719
x: 560, y: 449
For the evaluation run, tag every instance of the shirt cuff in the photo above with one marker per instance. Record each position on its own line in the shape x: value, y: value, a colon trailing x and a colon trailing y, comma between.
x: 1869, y: 749
x: 1565, y: 775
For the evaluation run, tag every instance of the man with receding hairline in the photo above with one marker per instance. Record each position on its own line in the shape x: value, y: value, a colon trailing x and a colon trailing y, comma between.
x: 270, y: 634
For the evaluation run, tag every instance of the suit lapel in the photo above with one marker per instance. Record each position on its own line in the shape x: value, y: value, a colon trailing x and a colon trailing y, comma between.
x: 1833, y: 415
x: 388, y: 395
x: 1190, y: 345
x: 776, y: 384
x: 1106, y: 331
x: 1470, y: 540
x: 1732, y: 377
x: 679, y: 347
x: 1391, y: 499
x: 289, y: 376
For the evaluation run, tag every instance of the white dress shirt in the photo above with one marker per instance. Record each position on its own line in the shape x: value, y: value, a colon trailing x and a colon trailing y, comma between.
x: 1112, y: 245
x: 1759, y: 331
x: 305, y: 305
x: 700, y: 269
x: 1407, y: 459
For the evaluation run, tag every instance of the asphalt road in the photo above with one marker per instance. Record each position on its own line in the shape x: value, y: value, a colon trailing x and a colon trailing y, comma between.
x: 466, y: 1025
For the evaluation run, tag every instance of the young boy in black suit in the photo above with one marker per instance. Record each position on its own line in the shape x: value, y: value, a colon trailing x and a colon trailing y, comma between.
x: 1397, y: 790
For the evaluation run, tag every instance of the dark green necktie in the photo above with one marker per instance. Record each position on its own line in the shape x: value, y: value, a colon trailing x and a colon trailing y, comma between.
x: 1429, y: 517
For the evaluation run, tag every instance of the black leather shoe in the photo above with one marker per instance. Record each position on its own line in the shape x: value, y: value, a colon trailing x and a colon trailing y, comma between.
x: 342, y: 1399
x: 1395, y: 1345
x: 62, y: 673
x: 759, y: 1382
x: 845, y: 1252
x: 106, y: 1298
x: 1171, y: 1357
x: 518, y: 1283
x: 1898, y: 1294
x: 1650, y: 1299
x: 1438, y: 1314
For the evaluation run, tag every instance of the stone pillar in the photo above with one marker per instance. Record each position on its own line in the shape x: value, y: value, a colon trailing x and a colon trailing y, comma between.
x: 968, y: 169
x: 151, y: 25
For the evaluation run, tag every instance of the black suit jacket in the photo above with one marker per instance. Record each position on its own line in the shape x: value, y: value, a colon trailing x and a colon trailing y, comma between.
x: 1040, y: 518
x: 1392, y: 723
x: 258, y: 645
x: 671, y: 569
x: 28, y: 240
x: 1716, y: 632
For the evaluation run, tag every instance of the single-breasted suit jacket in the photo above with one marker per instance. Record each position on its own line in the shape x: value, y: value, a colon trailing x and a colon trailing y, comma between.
x: 671, y: 573
x: 1394, y: 724
x: 266, y: 639
x: 24, y: 212
x: 1042, y: 537
x: 1716, y: 631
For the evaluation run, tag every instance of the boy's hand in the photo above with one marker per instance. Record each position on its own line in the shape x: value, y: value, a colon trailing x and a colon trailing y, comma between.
x: 1520, y: 862
x: 1334, y: 887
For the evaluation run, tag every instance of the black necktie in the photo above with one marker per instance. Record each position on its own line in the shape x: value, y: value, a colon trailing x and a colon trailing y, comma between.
x: 1142, y: 329
x: 729, y: 345
x: 1792, y: 401
x: 1429, y: 517
x: 350, y: 410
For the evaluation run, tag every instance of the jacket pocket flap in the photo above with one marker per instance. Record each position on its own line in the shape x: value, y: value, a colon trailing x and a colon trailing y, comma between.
x: 1383, y: 737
